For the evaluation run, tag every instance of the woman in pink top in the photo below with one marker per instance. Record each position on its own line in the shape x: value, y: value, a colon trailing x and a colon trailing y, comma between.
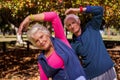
x: 54, y: 60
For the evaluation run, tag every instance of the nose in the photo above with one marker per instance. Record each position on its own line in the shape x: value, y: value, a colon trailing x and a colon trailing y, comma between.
x: 72, y: 25
x: 40, y: 41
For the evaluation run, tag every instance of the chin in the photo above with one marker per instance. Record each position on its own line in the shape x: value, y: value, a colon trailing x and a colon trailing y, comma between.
x: 47, y: 47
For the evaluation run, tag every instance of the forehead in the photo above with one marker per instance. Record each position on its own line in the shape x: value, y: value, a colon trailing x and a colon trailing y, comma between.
x: 37, y: 34
x: 69, y: 20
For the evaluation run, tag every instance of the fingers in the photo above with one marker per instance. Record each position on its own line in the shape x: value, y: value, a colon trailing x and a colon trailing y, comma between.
x: 72, y: 11
x: 69, y: 11
x: 20, y: 28
x: 23, y: 25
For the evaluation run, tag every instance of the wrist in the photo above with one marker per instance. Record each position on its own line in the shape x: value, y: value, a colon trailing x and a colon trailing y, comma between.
x: 81, y: 9
x: 31, y: 17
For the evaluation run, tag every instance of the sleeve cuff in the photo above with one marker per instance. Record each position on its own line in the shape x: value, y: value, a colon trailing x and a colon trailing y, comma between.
x: 88, y: 8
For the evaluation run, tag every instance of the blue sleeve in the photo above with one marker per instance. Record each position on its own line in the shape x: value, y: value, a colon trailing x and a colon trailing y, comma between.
x: 97, y: 16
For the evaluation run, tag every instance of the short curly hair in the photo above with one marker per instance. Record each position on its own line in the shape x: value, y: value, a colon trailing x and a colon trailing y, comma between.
x: 36, y: 27
x: 71, y: 16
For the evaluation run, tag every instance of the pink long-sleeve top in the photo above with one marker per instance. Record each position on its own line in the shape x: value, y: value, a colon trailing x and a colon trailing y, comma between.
x: 54, y: 60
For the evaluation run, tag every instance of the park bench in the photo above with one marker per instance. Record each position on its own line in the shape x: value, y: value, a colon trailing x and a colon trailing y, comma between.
x: 4, y: 40
x: 109, y: 42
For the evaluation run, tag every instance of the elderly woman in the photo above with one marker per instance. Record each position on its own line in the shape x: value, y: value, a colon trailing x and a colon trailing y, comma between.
x: 57, y: 60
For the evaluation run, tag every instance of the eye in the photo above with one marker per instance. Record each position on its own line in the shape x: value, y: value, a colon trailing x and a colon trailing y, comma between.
x: 73, y: 22
x: 37, y: 41
x: 41, y: 36
x: 68, y: 25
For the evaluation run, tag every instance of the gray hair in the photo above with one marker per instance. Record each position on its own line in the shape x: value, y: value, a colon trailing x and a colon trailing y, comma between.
x: 71, y: 16
x: 35, y: 28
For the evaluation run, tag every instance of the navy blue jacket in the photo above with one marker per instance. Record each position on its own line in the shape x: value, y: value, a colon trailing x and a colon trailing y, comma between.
x: 72, y: 69
x: 90, y: 46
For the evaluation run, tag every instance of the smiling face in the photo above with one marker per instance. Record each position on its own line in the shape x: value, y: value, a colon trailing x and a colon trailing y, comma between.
x: 42, y: 40
x: 73, y: 26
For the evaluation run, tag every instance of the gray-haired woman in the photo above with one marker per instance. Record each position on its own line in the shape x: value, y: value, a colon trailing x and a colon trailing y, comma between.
x: 57, y: 59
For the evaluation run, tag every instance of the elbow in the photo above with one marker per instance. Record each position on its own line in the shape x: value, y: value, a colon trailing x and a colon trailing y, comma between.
x: 101, y: 9
x: 55, y: 14
x: 95, y: 9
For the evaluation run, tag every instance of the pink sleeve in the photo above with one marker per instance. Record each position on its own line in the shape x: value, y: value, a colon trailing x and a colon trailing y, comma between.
x: 59, y: 33
x: 42, y: 74
x: 57, y: 26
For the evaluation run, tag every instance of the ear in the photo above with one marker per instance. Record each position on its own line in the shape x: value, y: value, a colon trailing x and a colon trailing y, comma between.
x: 32, y: 36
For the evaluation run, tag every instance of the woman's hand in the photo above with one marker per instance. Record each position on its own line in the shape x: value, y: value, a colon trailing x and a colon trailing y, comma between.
x: 24, y: 24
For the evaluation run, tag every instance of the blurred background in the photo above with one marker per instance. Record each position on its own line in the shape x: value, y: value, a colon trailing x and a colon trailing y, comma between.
x: 20, y: 61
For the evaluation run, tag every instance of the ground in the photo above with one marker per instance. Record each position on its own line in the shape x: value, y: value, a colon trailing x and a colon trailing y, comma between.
x: 19, y: 64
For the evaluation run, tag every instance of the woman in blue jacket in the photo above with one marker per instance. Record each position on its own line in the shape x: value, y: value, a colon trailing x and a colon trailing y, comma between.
x: 88, y: 43
x: 57, y: 59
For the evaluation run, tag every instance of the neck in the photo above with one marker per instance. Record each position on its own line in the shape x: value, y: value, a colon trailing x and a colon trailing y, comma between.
x: 49, y: 52
x: 78, y: 33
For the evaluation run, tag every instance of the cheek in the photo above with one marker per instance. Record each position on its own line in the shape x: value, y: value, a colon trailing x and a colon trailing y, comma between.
x: 49, y: 41
x: 77, y: 26
x: 37, y: 45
